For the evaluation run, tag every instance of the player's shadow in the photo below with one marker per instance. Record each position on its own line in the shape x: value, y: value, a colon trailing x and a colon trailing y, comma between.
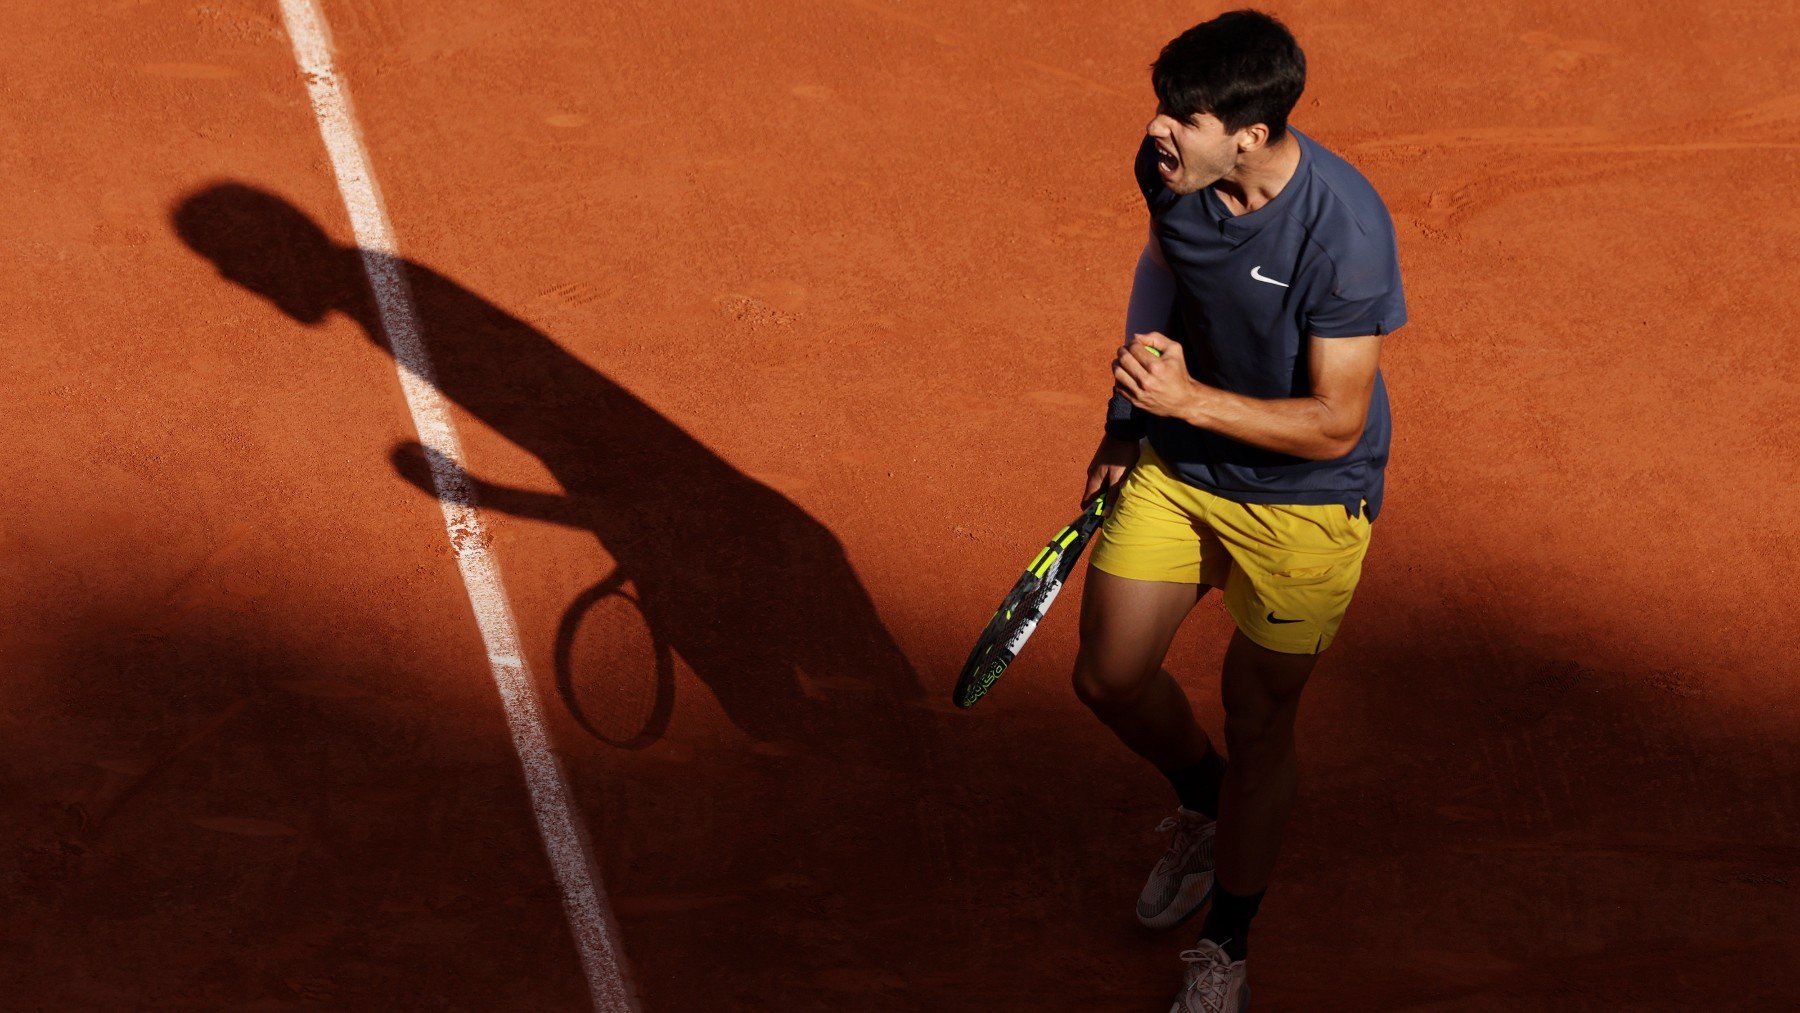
x: 740, y: 582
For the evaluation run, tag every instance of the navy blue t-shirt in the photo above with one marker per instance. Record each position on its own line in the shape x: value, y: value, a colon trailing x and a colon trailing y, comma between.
x: 1320, y: 259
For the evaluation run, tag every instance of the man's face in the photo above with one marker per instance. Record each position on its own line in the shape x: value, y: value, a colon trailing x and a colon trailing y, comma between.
x: 1192, y: 153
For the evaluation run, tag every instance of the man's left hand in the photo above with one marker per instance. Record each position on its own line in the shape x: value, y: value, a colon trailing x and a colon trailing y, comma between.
x: 1159, y: 384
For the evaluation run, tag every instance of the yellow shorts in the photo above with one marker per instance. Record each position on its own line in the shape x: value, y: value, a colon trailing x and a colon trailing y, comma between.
x: 1287, y: 571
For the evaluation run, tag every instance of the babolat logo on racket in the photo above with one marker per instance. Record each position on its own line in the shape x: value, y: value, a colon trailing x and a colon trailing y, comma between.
x: 1025, y: 605
x: 987, y: 679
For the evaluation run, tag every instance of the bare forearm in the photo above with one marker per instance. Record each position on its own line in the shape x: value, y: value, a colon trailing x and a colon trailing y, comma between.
x: 1152, y: 374
x: 1301, y: 426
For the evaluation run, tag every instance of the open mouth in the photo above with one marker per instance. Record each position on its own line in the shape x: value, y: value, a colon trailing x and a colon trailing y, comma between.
x: 1166, y: 161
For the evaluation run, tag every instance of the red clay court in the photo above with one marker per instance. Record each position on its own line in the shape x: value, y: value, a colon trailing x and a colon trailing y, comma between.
x: 771, y: 340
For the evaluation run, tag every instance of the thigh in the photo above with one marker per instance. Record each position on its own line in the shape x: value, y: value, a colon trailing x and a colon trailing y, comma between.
x: 1127, y: 626
x: 1261, y: 687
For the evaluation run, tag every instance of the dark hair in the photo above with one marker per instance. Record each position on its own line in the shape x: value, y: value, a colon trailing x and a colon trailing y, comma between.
x: 1243, y: 67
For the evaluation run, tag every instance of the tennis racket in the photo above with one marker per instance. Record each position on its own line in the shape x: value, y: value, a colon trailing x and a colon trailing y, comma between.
x: 1025, y: 605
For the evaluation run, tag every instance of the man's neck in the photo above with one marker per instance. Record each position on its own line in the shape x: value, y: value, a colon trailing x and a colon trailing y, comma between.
x: 1255, y: 183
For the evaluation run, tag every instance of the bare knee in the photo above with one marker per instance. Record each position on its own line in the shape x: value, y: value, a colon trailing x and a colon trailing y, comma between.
x: 1262, y: 698
x: 1105, y: 687
x: 1261, y: 733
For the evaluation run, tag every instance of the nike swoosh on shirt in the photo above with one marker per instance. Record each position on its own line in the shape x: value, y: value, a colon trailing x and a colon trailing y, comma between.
x: 1256, y: 272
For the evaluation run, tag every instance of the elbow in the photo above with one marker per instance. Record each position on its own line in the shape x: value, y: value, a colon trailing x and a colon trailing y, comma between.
x: 1337, y: 432
x: 1332, y: 446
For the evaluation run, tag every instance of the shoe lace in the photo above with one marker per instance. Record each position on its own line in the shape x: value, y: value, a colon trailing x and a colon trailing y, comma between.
x: 1211, y: 969
x: 1189, y: 833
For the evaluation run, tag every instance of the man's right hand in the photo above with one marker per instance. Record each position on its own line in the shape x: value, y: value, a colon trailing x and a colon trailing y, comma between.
x: 1112, y: 459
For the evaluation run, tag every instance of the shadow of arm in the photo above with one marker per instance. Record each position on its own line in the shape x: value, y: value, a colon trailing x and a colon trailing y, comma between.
x: 444, y: 479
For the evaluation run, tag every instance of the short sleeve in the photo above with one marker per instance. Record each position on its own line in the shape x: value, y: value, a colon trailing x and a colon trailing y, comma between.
x: 1365, y: 295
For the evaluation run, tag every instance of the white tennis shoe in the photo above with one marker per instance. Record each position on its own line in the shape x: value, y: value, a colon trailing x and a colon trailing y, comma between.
x: 1183, y: 877
x: 1215, y: 982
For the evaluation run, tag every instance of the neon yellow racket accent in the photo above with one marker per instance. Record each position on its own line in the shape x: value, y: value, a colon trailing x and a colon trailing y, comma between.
x: 1024, y: 607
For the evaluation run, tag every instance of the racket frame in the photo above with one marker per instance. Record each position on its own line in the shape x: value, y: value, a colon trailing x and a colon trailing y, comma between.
x: 1025, y: 606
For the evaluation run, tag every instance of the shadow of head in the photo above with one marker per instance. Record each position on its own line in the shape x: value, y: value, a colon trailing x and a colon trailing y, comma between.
x: 270, y: 247
x: 743, y: 584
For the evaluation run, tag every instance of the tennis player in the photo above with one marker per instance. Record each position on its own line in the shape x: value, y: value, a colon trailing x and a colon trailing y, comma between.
x: 1250, y: 426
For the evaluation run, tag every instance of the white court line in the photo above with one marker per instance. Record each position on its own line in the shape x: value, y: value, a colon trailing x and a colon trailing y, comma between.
x: 565, y: 839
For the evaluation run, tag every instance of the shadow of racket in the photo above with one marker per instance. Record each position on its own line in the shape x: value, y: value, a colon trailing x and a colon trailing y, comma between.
x: 618, y: 704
